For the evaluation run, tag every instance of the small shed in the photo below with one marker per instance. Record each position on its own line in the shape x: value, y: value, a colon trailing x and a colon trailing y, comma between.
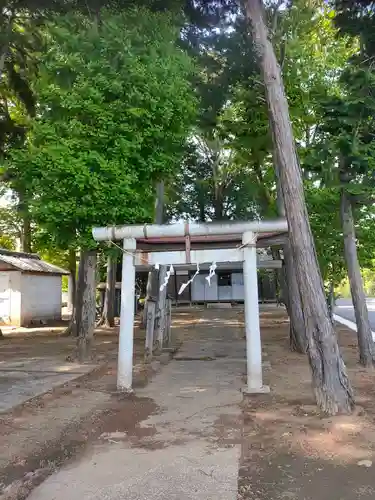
x: 30, y: 289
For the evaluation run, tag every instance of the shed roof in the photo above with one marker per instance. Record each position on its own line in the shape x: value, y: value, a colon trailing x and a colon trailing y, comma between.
x: 29, y: 262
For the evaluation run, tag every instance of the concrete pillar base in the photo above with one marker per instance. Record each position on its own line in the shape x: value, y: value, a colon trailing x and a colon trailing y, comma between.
x: 124, y: 392
x: 265, y: 389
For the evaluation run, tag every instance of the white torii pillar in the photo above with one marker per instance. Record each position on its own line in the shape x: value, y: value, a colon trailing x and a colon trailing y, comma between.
x: 129, y: 235
x: 252, y: 327
x: 126, y: 336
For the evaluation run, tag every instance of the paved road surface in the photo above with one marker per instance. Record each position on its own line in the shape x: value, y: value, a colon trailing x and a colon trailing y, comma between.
x: 344, y: 308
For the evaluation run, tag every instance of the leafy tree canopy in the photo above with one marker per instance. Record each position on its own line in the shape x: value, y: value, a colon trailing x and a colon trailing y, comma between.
x: 114, y: 108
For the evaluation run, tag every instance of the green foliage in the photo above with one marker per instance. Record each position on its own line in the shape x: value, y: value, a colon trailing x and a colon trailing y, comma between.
x: 214, y: 183
x: 114, y: 109
x: 10, y: 227
x: 19, y: 41
x: 341, y: 157
x: 323, y: 206
x: 331, y: 109
x: 217, y: 171
x: 368, y: 275
x: 357, y: 18
x: 7, y: 242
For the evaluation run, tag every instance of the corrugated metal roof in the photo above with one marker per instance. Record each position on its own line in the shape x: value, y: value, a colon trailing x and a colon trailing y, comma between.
x: 30, y: 264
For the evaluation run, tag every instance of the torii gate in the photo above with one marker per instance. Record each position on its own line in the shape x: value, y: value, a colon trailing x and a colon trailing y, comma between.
x: 223, y: 236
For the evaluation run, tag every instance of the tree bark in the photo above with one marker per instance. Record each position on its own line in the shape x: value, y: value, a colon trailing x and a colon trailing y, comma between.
x: 153, y: 276
x: 85, y: 312
x: 6, y: 42
x: 3, y: 55
x: 331, y: 385
x: 293, y: 304
x: 202, y: 212
x: 364, y: 333
x: 26, y: 233
x: 297, y: 332
x: 218, y: 204
x: 290, y: 290
x: 71, y: 329
x: 108, y: 315
x: 331, y: 299
x: 26, y: 223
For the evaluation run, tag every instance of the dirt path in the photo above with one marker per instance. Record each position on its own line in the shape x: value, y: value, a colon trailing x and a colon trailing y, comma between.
x: 189, y: 446
x: 41, y: 435
x: 188, y: 434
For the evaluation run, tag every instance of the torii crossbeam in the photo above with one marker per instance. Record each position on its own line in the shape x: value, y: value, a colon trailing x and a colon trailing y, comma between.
x: 218, y: 241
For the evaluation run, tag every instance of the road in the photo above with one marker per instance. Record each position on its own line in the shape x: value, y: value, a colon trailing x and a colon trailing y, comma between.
x: 344, y: 308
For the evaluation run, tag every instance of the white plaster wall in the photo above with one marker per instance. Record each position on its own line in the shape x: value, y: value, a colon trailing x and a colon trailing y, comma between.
x: 41, y: 297
x: 15, y: 278
x: 210, y: 292
x: 238, y: 292
x: 10, y: 297
x: 201, y: 291
x: 197, y: 288
x: 5, y: 294
x: 225, y: 293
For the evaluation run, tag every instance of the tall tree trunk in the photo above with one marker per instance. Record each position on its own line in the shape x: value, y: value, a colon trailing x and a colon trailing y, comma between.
x: 108, y: 315
x: 364, y: 333
x: 290, y: 290
x: 292, y: 301
x: 293, y: 304
x: 297, y: 332
x: 71, y: 329
x: 4, y: 50
x: 331, y: 299
x: 73, y: 276
x: 85, y: 312
x: 153, y: 276
x: 26, y: 223
x: 26, y: 233
x: 331, y: 385
x: 3, y: 55
x: 218, y: 204
x: 202, y: 211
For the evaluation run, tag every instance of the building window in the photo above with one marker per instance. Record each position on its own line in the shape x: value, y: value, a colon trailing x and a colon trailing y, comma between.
x: 224, y: 279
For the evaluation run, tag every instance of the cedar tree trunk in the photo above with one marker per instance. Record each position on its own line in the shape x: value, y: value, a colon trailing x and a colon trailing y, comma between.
x: 297, y: 332
x: 108, y: 315
x: 331, y: 385
x: 364, y: 333
x: 85, y: 312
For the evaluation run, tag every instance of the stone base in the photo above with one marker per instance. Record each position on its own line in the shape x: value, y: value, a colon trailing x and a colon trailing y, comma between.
x: 265, y: 389
x: 169, y: 349
x: 124, y: 393
x: 219, y: 305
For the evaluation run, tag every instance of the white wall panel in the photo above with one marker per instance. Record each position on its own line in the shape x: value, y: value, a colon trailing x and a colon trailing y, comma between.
x: 41, y: 297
